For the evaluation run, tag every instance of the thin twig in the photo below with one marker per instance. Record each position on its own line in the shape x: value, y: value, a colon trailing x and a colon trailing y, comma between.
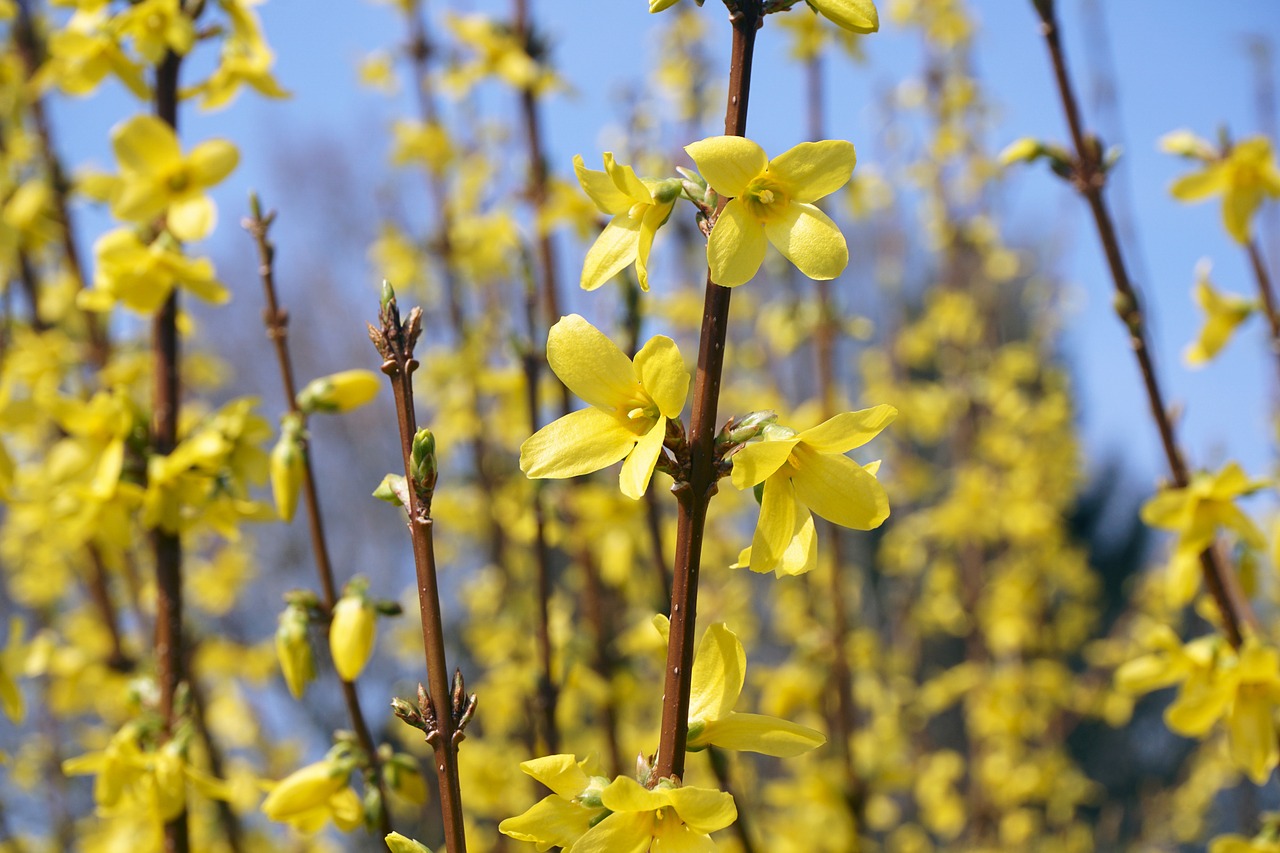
x: 1089, y: 179
x: 276, y: 320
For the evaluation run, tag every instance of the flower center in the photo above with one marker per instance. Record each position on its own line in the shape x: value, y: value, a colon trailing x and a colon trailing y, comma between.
x: 765, y: 198
x: 639, y: 413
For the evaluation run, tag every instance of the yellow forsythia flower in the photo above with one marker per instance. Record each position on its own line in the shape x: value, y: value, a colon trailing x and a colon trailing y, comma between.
x: 314, y: 794
x: 772, y: 202
x: 638, y: 207
x: 156, y: 178
x: 630, y: 405
x: 352, y: 632
x: 808, y: 471
x: 719, y: 671
x: 1243, y: 176
x: 1223, y: 312
x: 288, y: 468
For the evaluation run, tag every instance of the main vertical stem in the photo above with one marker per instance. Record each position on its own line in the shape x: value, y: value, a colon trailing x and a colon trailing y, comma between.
x: 167, y: 546
x: 697, y: 493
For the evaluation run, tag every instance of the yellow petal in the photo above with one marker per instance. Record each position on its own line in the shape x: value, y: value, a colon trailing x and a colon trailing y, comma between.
x: 728, y: 163
x: 663, y: 374
x: 759, y: 459
x: 211, y: 161
x: 612, y: 252
x: 702, y: 809
x: 621, y: 832
x: 848, y: 430
x: 563, y: 774
x: 1252, y: 733
x: 638, y: 469
x: 552, y: 822
x: 801, y: 555
x: 192, y: 218
x: 1238, y: 207
x: 839, y: 490
x: 735, y: 249
x: 812, y: 170
x: 1198, y: 186
x: 579, y: 443
x: 809, y: 239
x: 145, y: 144
x: 775, y: 526
x: 589, y: 364
x: 655, y: 216
x: 601, y: 189
x: 763, y: 734
x: 624, y: 178
x: 719, y: 670
x: 1199, y: 705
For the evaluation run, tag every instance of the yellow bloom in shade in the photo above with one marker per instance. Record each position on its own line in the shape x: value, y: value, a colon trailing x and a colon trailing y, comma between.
x: 1244, y: 176
x: 808, y: 471
x: 629, y: 406
x: 1195, y: 513
x: 859, y: 16
x: 1223, y: 312
x: 719, y: 671
x: 314, y: 794
x: 155, y: 177
x: 638, y: 207
x: 772, y: 202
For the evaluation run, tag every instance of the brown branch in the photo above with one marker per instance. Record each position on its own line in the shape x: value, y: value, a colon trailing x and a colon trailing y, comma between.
x: 695, y: 495
x: 276, y: 321
x: 395, y: 342
x: 1266, y: 293
x: 1089, y: 179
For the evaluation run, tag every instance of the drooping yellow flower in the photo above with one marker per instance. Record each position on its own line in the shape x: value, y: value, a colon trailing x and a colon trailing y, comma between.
x: 808, y: 471
x: 246, y: 61
x: 629, y: 406
x: 310, y: 796
x: 141, y: 276
x: 719, y: 671
x: 1242, y: 686
x: 1243, y: 176
x: 772, y: 202
x: 1223, y: 312
x: 156, y: 27
x: 1195, y: 513
x: 156, y: 178
x: 638, y: 207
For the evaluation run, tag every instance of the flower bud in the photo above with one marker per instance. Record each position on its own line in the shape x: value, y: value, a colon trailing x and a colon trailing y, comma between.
x: 750, y: 426
x: 293, y: 648
x: 859, y: 16
x: 423, y: 461
x: 338, y: 392
x: 305, y: 789
x: 397, y: 843
x: 404, y: 778
x: 351, y: 635
x: 1023, y: 150
x: 287, y: 468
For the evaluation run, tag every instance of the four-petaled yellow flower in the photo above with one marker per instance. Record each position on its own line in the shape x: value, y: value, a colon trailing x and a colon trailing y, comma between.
x: 1195, y: 513
x: 772, y: 201
x: 1223, y: 312
x: 630, y: 405
x: 638, y: 207
x: 1243, y: 176
x: 719, y: 671
x: 808, y: 471
x: 155, y: 178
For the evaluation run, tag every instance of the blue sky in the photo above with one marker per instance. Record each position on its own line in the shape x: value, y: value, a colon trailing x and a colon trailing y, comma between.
x: 1178, y: 63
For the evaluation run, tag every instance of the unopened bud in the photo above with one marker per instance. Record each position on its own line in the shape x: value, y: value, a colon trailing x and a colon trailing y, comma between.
x: 423, y: 461
x: 749, y: 426
x: 1024, y: 150
x: 287, y: 467
x: 293, y: 648
x: 397, y: 843
x: 338, y: 392
x: 351, y: 635
x: 393, y: 490
x: 388, y: 295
